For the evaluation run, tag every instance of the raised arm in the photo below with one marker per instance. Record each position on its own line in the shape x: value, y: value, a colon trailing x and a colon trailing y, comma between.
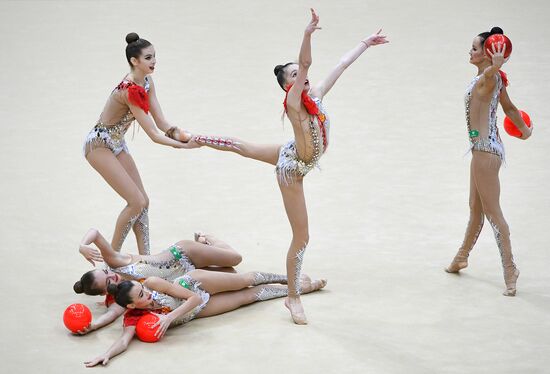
x: 511, y: 111
x: 192, y: 300
x: 487, y: 80
x: 294, y: 99
x: 321, y: 89
x: 119, y: 346
x: 161, y: 122
x: 113, y: 258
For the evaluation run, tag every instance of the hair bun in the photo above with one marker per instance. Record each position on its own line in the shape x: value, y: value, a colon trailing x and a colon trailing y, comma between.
x: 78, y: 287
x: 277, y: 69
x: 132, y: 37
x: 496, y: 30
x: 112, y: 289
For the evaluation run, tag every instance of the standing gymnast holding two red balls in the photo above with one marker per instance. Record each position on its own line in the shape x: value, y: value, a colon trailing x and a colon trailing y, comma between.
x: 490, y: 50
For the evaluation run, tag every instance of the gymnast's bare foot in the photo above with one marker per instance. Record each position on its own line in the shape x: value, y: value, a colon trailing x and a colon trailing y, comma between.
x: 510, y: 277
x: 200, y: 237
x: 308, y: 286
x: 294, y: 304
x: 459, y: 262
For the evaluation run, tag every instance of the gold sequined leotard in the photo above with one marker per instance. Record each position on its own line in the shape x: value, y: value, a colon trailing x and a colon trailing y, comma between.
x: 111, y: 136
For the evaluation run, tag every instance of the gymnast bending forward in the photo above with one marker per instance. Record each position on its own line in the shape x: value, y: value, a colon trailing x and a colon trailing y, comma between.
x: 134, y: 98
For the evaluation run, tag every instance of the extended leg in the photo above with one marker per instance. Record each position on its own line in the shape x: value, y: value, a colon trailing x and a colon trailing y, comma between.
x: 216, y: 282
x: 262, y: 152
x: 475, y: 224
x: 486, y: 168
x: 228, y: 301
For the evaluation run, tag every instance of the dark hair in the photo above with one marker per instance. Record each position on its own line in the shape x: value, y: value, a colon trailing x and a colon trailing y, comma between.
x: 121, y: 292
x: 280, y: 74
x: 134, y: 47
x: 485, y: 35
x: 86, y: 285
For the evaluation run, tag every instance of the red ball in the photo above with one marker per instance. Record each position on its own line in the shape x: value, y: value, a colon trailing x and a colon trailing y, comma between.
x: 498, y: 38
x: 145, y: 330
x: 511, y: 129
x: 77, y: 317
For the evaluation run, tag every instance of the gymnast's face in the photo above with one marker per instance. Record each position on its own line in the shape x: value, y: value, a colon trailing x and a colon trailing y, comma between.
x: 141, y: 297
x: 291, y: 71
x: 477, y: 54
x: 102, y: 279
x: 146, y: 61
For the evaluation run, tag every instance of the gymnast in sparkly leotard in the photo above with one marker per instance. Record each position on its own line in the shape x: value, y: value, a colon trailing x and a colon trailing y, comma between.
x: 197, y: 294
x: 487, y: 138
x: 184, y: 256
x: 484, y: 93
x: 310, y: 123
x: 105, y: 147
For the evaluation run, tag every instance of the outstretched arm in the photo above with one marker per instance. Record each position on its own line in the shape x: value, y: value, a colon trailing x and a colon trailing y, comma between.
x: 146, y: 122
x: 105, y: 319
x: 113, y: 258
x: 119, y: 346
x: 294, y: 99
x: 160, y: 120
x: 324, y: 86
x: 513, y: 113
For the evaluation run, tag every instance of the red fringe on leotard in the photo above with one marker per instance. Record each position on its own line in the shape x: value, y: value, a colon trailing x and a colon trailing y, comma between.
x: 136, y: 94
x: 312, y: 109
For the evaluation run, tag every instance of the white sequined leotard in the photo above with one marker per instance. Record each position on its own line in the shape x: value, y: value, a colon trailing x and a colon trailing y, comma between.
x: 111, y: 136
x: 289, y: 164
x: 169, y: 265
x: 172, y: 303
x: 492, y: 142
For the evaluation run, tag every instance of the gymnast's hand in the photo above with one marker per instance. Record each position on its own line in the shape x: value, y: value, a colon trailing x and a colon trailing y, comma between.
x: 103, y: 359
x: 497, y: 54
x: 90, y: 253
x: 163, y: 323
x: 527, y: 132
x: 310, y: 29
x: 189, y: 144
x: 88, y: 329
x: 376, y: 39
